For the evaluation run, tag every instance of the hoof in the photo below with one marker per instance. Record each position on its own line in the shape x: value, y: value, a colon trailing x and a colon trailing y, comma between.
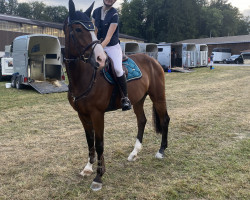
x: 159, y: 155
x: 132, y: 158
x: 95, y: 186
x: 87, y: 172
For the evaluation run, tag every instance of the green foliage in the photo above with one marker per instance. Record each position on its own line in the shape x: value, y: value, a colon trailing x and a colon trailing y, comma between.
x: 175, y: 20
x: 12, y: 6
x: 132, y: 17
x: 24, y: 10
x: 2, y: 6
x: 34, y: 10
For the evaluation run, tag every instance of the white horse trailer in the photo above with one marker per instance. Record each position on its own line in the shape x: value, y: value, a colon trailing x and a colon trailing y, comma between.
x: 164, y: 55
x: 149, y: 49
x: 201, y: 55
x: 37, y: 62
x: 129, y: 48
x: 184, y: 55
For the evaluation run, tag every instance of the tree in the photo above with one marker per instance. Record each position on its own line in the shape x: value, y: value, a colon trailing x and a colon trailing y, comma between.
x: 24, y: 10
x: 2, y: 6
x: 56, y: 13
x: 243, y: 26
x: 132, y: 18
x: 38, y: 10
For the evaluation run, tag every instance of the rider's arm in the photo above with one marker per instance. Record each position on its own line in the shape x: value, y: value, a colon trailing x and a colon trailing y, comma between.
x: 109, y: 35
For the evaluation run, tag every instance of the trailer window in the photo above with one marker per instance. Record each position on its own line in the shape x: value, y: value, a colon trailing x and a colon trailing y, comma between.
x: 35, y: 48
x: 51, y: 56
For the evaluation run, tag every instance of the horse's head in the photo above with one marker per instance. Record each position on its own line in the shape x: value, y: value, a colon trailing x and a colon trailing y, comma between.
x: 80, y: 38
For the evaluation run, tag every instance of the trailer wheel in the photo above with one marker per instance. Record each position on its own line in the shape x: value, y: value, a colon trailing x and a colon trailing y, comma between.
x: 1, y: 77
x: 18, y: 83
x: 13, y: 81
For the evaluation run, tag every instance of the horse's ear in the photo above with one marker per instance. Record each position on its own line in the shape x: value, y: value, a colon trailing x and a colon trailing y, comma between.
x: 89, y: 10
x: 72, y: 9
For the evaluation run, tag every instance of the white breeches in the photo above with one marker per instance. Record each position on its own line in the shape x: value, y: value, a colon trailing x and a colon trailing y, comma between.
x: 115, y: 53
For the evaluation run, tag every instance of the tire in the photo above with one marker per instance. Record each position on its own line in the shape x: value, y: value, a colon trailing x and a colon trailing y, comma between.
x: 13, y: 81
x: 18, y: 83
x: 1, y: 77
x: 237, y: 62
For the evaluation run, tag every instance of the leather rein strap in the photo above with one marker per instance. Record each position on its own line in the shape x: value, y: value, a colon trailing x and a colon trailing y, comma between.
x: 82, y: 58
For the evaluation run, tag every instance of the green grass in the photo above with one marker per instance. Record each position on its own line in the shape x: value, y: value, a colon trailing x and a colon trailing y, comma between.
x: 43, y: 146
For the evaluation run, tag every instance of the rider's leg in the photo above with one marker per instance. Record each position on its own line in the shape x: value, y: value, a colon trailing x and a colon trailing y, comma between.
x: 126, y: 105
x: 115, y: 53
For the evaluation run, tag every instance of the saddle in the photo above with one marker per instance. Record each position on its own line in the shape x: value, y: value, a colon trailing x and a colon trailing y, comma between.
x: 131, y: 70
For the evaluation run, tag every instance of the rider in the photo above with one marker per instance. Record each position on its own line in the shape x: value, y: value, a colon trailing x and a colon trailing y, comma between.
x: 106, y: 19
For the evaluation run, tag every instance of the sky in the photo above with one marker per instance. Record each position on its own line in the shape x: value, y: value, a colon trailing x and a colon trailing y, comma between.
x: 243, y: 5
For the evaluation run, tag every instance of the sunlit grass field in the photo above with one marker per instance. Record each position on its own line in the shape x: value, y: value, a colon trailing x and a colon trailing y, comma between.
x: 43, y: 146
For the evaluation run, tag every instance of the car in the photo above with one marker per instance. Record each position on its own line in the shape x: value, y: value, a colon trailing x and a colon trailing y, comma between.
x: 235, y: 59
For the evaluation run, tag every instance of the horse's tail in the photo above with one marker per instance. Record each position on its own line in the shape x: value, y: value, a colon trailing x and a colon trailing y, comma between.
x: 156, y: 121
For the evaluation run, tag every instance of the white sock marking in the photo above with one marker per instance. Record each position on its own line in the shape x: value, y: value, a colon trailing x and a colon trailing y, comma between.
x: 137, y: 149
x: 87, y: 171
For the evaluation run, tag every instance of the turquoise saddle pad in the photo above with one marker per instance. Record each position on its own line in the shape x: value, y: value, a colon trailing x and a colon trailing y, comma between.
x: 133, y: 71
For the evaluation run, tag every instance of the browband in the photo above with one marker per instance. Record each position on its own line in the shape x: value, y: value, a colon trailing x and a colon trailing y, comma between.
x: 86, y: 24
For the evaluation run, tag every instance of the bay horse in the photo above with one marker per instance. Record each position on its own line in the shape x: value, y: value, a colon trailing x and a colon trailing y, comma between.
x: 89, y: 93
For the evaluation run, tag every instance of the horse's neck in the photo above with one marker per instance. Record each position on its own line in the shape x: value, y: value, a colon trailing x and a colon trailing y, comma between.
x: 79, y: 76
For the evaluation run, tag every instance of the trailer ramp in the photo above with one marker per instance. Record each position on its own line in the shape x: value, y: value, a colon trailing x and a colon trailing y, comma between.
x: 45, y: 87
x: 181, y: 69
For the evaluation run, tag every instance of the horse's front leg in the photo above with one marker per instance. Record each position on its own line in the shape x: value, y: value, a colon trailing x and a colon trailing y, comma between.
x: 98, y: 124
x: 88, y: 127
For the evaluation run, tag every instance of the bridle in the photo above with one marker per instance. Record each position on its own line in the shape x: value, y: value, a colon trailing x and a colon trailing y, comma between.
x: 88, y: 25
x: 81, y: 52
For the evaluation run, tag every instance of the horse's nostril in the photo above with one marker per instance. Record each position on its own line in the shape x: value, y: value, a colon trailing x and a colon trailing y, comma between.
x: 99, y: 58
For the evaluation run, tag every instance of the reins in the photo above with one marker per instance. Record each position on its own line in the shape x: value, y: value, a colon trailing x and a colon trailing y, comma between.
x: 81, y: 58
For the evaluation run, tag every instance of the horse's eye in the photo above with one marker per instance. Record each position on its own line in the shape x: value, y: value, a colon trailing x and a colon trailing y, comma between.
x: 78, y: 30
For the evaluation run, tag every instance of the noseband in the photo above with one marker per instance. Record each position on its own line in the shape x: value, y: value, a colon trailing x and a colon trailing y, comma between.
x: 88, y: 25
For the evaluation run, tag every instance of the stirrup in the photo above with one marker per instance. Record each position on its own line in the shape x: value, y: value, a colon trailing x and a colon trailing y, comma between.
x: 126, y: 105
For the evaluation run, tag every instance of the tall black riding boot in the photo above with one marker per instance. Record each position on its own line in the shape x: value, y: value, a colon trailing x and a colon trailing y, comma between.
x: 126, y: 105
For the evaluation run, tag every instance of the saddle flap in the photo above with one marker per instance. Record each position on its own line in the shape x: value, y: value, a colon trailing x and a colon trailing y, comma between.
x: 111, y: 69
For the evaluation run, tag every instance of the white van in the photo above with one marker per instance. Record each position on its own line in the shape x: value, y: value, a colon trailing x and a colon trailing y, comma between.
x: 220, y: 55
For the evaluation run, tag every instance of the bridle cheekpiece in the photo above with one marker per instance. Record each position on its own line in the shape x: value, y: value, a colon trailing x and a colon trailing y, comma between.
x: 89, y: 26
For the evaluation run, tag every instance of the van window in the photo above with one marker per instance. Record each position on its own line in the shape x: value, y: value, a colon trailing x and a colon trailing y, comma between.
x: 160, y: 49
x: 227, y: 50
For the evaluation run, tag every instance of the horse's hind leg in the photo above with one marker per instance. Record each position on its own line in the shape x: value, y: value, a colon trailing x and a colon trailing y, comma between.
x: 161, y: 120
x: 88, y: 170
x: 141, y: 122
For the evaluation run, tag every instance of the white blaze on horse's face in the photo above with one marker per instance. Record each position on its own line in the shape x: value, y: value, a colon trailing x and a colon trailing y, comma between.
x: 100, y: 55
